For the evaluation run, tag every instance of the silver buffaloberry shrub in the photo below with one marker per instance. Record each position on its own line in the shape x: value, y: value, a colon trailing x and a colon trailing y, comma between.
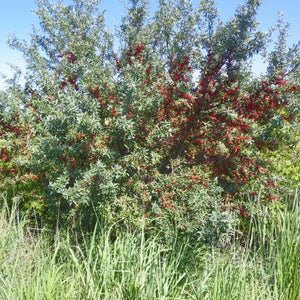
x: 161, y: 123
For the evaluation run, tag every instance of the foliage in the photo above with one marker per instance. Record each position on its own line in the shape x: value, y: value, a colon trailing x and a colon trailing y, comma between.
x: 283, y: 131
x: 17, y: 177
x: 164, y: 130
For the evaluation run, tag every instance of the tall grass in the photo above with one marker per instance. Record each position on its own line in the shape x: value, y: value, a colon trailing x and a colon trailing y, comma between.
x: 133, y: 267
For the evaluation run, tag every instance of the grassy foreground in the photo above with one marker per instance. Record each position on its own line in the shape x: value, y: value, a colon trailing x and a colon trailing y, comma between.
x: 265, y: 266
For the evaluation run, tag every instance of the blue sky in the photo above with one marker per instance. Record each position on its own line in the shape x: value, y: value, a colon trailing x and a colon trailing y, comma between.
x: 17, y: 17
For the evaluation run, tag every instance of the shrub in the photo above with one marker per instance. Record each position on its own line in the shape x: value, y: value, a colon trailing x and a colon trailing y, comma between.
x: 166, y: 128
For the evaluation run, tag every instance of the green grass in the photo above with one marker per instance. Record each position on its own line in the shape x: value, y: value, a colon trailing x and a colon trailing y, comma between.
x: 265, y: 265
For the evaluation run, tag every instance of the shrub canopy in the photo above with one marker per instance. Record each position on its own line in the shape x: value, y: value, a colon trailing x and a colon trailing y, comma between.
x: 162, y: 120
